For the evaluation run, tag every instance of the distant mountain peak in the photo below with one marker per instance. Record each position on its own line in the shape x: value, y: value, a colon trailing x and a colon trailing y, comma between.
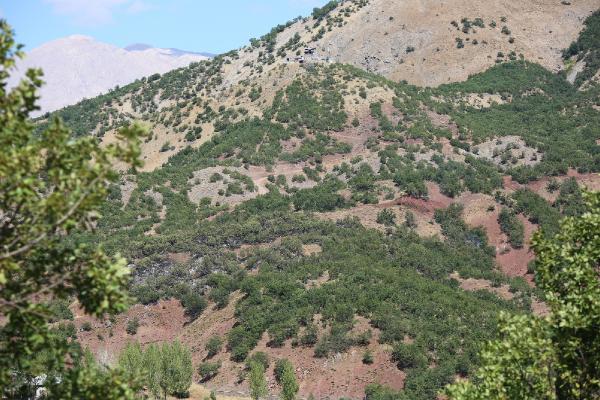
x: 94, y: 67
x: 79, y: 37
x: 138, y: 47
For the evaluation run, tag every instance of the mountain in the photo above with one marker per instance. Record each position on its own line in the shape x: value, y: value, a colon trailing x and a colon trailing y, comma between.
x: 311, y: 196
x: 173, y: 51
x: 78, y: 67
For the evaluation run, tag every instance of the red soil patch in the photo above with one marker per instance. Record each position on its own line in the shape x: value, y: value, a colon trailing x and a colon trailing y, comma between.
x: 514, y: 261
x: 436, y: 200
x: 340, y: 375
x: 158, y: 323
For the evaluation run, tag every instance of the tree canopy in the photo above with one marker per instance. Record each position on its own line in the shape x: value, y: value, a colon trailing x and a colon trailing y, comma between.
x: 51, y: 186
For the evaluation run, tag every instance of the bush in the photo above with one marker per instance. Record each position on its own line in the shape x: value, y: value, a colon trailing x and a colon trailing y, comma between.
x: 213, y: 346
x: 215, y: 177
x: 410, y: 220
x: 367, y: 357
x: 310, y: 336
x: 258, y: 357
x: 60, y: 310
x: 86, y: 326
x: 512, y: 227
x: 194, y: 304
x: 208, y: 370
x: 409, y: 356
x: 386, y: 217
x: 288, y: 382
x: 132, y: 326
x: 280, y: 365
x: 166, y: 147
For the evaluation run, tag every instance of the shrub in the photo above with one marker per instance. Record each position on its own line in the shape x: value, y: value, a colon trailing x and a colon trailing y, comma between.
x: 86, y: 326
x: 258, y: 357
x: 215, y: 177
x: 166, y: 147
x: 410, y: 220
x: 310, y: 336
x: 280, y: 365
x: 60, y: 310
x: 512, y: 227
x: 553, y: 185
x: 409, y: 356
x: 258, y: 383
x: 386, y: 217
x: 194, y: 304
x: 132, y: 326
x: 208, y: 370
x: 213, y: 346
x: 289, y: 384
x: 367, y: 357
x: 299, y: 178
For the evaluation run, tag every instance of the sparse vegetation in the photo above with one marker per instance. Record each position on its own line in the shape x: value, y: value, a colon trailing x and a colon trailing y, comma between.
x: 512, y: 227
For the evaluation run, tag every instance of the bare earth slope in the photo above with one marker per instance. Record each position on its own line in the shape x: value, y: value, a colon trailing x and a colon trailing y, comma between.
x: 78, y: 67
x: 376, y: 38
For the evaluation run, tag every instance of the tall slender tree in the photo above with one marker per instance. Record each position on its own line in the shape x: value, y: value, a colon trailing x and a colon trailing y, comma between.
x: 258, y: 383
x: 289, y: 384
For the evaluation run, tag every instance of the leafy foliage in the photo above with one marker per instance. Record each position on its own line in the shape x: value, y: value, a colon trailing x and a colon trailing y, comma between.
x: 258, y: 382
x: 555, y: 357
x: 164, y: 370
x: 51, y: 187
x: 512, y: 227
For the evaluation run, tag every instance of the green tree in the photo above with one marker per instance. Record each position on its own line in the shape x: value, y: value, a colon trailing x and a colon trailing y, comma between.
x: 153, y: 369
x: 176, y: 369
x: 131, y: 360
x: 258, y: 383
x: 558, y: 356
x: 89, y: 380
x: 164, y: 370
x: 51, y: 186
x: 289, y: 384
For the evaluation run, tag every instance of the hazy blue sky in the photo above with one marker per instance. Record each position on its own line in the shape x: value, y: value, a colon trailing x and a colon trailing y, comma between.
x: 196, y: 25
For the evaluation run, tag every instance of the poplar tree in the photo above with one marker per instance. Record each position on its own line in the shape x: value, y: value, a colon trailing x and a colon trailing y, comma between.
x: 258, y: 383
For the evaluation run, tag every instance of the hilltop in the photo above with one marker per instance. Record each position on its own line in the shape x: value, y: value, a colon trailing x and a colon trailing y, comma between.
x: 365, y: 219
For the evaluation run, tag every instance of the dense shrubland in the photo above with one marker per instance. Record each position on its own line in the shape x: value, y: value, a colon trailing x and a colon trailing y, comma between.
x: 545, y: 110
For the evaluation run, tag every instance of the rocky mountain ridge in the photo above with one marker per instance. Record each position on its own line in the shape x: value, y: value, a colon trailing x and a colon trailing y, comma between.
x: 78, y: 67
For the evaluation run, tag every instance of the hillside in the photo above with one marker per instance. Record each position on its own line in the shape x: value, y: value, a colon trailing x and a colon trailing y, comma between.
x: 94, y: 67
x: 366, y: 223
